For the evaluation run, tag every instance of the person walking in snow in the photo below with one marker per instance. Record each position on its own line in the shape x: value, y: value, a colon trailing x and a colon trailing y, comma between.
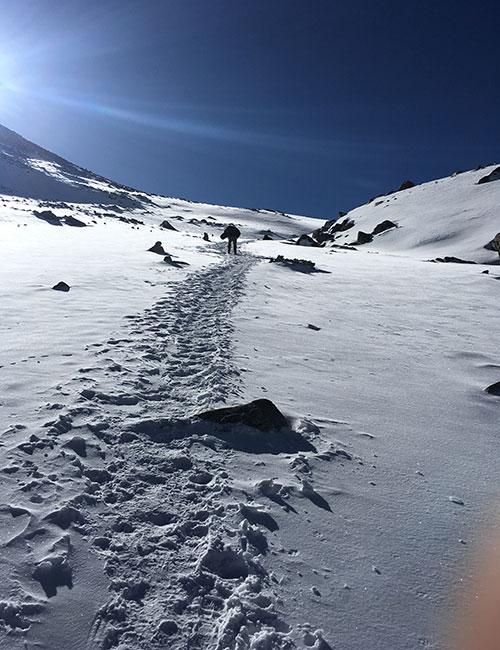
x: 231, y: 233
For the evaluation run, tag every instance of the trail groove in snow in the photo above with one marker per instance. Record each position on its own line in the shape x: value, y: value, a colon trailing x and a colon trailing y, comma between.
x: 183, y: 561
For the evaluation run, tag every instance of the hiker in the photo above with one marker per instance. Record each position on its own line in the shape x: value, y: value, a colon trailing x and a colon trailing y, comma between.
x: 231, y: 233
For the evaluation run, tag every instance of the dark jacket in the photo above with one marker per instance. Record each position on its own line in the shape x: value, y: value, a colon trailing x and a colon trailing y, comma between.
x: 231, y: 232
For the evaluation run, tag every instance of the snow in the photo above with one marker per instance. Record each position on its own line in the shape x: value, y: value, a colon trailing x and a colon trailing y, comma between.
x: 129, y: 523
x: 450, y: 216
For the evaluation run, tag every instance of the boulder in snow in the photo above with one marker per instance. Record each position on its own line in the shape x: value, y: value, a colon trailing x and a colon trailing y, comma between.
x: 364, y: 237
x: 61, y: 286
x: 383, y: 226
x: 158, y: 249
x: 167, y: 226
x: 492, y: 176
x: 494, y: 244
x: 73, y: 221
x: 260, y: 414
x: 306, y: 240
x: 48, y: 216
x: 494, y: 389
x: 405, y: 185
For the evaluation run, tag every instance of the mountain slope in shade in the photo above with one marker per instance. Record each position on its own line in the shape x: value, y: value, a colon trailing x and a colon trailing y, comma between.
x: 27, y: 170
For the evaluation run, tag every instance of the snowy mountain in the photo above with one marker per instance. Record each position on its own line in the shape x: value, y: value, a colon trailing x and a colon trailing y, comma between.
x: 455, y: 216
x: 343, y: 512
x: 31, y: 171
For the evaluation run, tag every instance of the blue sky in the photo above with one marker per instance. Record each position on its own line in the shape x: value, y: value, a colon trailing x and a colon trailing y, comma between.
x: 306, y: 106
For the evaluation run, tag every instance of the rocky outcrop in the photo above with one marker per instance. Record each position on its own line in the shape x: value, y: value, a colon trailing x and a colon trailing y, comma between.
x: 492, y: 176
x: 494, y: 244
x: 383, y: 226
x: 452, y: 260
x: 494, y: 389
x: 306, y: 240
x: 330, y: 229
x: 364, y: 238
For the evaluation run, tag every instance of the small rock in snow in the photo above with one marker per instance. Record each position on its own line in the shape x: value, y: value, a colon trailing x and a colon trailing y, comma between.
x: 313, y: 327
x: 61, y: 286
x: 456, y: 500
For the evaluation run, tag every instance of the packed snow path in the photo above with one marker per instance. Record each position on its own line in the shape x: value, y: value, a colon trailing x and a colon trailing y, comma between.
x: 180, y: 554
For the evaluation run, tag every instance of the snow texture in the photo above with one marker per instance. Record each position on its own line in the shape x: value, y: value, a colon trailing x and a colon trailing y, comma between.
x: 128, y: 522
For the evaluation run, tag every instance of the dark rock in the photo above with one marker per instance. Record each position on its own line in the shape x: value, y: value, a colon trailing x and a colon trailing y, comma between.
x: 405, y: 185
x: 65, y: 516
x: 494, y: 244
x: 72, y: 221
x: 306, y: 240
x: 330, y: 229
x: 452, y: 260
x: 78, y: 445
x: 485, y: 272
x: 492, y: 176
x: 206, y: 237
x: 267, y: 238
x: 61, y: 286
x: 383, y: 226
x: 176, y: 263
x: 364, y: 238
x: 49, y: 217
x: 52, y: 573
x: 260, y: 414
x: 494, y: 389
x: 167, y: 226
x: 100, y: 476
x: 313, y: 327
x: 295, y: 263
x: 158, y: 249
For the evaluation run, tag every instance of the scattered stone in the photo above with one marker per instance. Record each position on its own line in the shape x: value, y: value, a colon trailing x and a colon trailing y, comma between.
x: 405, y: 185
x: 331, y: 228
x: 364, y: 238
x: 167, y: 226
x: 267, y: 238
x: 73, y: 221
x: 61, y: 286
x: 78, y: 445
x: 260, y: 414
x: 383, y: 226
x: 451, y: 260
x: 206, y: 237
x: 48, y: 216
x: 52, y: 573
x: 306, y: 240
x: 65, y: 516
x: 494, y: 244
x: 295, y: 263
x: 494, y: 389
x: 158, y: 249
x: 313, y: 327
x: 456, y: 500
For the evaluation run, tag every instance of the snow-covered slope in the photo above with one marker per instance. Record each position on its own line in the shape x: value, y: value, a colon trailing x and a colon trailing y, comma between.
x: 127, y: 523
x: 452, y: 216
x: 31, y: 171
